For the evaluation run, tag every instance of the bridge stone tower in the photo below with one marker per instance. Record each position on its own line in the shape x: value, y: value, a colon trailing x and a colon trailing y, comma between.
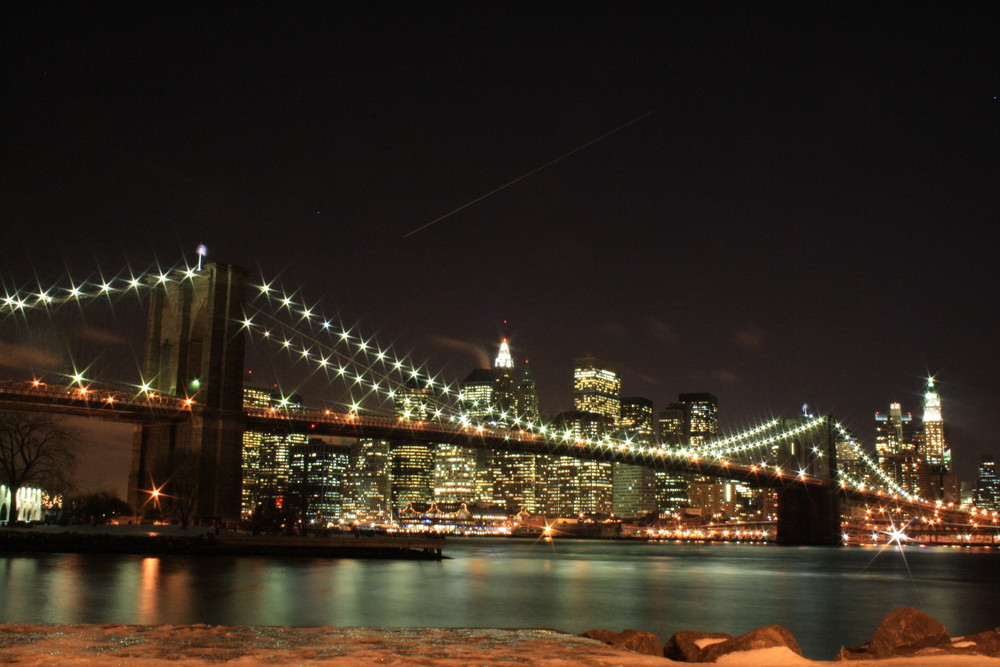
x: 195, y: 348
x: 810, y: 514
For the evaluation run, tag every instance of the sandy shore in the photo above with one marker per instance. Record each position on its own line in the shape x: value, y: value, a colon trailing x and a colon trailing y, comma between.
x: 451, y: 647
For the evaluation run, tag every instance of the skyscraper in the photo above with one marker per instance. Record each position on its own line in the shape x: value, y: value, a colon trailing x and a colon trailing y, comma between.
x: 370, y: 481
x: 934, y: 447
x: 266, y: 456
x: 892, y: 431
x: 597, y: 388
x: 896, y: 448
x: 454, y: 473
x: 318, y: 480
x: 412, y: 462
x: 987, y: 493
x: 849, y: 459
x: 574, y: 486
x: 635, y: 486
x: 504, y: 396
x: 478, y: 399
x: 701, y: 411
x: 672, y: 487
x: 702, y: 417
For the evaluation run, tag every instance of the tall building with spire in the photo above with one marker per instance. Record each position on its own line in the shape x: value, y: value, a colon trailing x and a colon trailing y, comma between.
x: 507, y: 397
x: 935, y: 449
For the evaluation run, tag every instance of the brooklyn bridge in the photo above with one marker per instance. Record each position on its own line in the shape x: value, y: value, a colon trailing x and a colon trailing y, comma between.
x: 189, y: 403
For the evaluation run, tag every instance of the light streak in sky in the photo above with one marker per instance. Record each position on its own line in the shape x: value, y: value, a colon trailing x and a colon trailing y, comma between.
x: 530, y: 173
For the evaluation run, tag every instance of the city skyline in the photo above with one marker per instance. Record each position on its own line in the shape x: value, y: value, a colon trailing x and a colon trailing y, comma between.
x: 806, y: 216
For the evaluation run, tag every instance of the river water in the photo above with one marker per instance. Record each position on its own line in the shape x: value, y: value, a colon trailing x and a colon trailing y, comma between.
x: 827, y: 597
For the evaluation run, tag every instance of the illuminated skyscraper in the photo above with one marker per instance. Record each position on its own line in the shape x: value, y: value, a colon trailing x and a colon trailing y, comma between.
x: 934, y: 447
x: 503, y: 396
x: 370, y: 481
x: 597, y: 388
x: 454, y: 473
x: 850, y: 463
x: 266, y: 456
x: 573, y: 486
x: 896, y: 448
x: 892, y: 431
x: 478, y: 401
x: 672, y: 487
x: 412, y: 462
x: 317, y: 487
x: 987, y: 494
x: 713, y: 496
x: 635, y: 486
x: 702, y: 417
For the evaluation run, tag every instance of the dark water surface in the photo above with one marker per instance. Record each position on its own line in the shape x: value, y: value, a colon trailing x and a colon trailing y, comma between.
x: 827, y: 597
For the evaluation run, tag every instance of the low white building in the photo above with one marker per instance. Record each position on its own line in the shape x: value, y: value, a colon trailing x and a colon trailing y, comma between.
x: 29, y: 504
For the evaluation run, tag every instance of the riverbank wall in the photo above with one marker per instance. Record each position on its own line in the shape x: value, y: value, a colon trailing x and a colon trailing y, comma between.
x: 208, y: 543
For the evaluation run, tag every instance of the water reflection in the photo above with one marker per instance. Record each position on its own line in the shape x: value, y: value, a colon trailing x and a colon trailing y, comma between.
x: 146, y: 612
x: 827, y: 597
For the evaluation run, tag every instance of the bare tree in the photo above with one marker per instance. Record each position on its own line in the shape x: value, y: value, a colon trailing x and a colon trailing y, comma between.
x: 184, y: 486
x: 34, y: 449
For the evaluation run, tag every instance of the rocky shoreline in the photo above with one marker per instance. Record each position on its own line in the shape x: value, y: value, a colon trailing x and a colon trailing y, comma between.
x: 903, y: 633
x: 905, y: 638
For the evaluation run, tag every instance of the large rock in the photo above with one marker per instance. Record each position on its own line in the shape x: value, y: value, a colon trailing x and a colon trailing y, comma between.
x: 629, y: 639
x: 689, y: 645
x: 768, y: 636
x: 905, y: 631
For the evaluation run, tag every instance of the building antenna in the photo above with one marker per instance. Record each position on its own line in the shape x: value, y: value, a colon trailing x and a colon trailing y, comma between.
x: 202, y: 251
x: 533, y: 171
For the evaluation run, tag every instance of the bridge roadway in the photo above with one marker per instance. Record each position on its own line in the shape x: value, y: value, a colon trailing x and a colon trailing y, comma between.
x: 88, y: 401
x: 324, y: 422
x: 148, y: 407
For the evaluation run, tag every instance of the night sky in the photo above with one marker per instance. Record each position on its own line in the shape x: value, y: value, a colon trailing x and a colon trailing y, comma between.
x: 804, y: 209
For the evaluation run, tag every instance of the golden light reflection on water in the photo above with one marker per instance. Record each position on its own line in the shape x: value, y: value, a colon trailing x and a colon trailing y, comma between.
x: 149, y: 587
